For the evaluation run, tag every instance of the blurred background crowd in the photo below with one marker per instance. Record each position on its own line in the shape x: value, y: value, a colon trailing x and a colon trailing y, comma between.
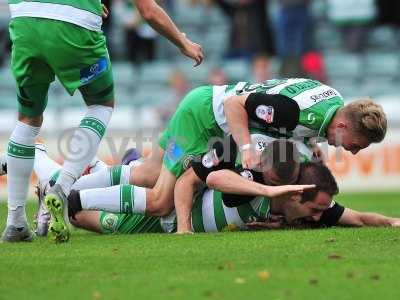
x: 350, y: 44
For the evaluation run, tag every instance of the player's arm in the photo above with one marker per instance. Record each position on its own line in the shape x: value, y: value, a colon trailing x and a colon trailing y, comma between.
x: 105, y: 12
x: 358, y: 219
x: 338, y: 215
x: 230, y: 182
x: 275, y: 111
x: 238, y: 122
x: 184, y: 190
x: 237, y: 182
x: 162, y: 23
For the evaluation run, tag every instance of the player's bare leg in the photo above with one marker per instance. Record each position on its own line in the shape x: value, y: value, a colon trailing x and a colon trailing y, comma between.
x: 128, y: 199
x: 88, y: 220
x: 147, y: 173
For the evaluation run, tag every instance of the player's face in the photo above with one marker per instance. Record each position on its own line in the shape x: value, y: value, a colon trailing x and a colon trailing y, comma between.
x: 310, y: 210
x: 344, y: 136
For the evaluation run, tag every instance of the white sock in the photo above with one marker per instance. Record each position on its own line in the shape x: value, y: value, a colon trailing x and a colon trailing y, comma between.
x: 96, y: 165
x: 125, y: 198
x: 135, y: 163
x: 44, y: 167
x: 110, y: 176
x: 17, y: 217
x: 20, y: 160
x: 84, y: 144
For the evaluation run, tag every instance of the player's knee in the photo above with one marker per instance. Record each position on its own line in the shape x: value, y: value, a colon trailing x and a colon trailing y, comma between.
x: 159, y: 209
x: 31, y: 121
x: 78, y: 219
x: 164, y: 210
x: 145, y: 175
x: 75, y: 222
x: 109, y: 103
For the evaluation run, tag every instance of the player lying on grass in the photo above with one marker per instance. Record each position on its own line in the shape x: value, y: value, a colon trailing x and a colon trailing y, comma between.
x: 218, y: 169
x: 279, y: 173
x: 280, y: 165
x: 210, y: 214
x: 63, y: 38
x: 304, y: 108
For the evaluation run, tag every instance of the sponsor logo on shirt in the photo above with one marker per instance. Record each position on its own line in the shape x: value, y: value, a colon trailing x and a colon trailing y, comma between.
x: 174, y: 152
x: 247, y: 174
x: 265, y: 113
x: 311, y: 118
x: 91, y: 72
x: 326, y: 94
x: 260, y: 146
x: 210, y: 159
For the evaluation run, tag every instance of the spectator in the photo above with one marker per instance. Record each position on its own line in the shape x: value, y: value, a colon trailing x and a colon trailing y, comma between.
x: 388, y: 12
x: 195, y: 18
x: 313, y: 66
x: 354, y: 18
x: 108, y: 24
x: 217, y: 76
x: 178, y: 87
x: 293, y: 33
x: 250, y: 31
x: 139, y: 36
x: 260, y: 70
x: 4, y: 38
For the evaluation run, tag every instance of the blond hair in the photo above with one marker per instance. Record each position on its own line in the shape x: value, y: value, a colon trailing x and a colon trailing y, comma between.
x: 367, y: 118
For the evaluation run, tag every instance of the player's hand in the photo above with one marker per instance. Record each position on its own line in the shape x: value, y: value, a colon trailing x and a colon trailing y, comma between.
x: 192, y: 50
x: 395, y: 222
x: 105, y: 12
x: 287, y: 190
x: 251, y: 159
x: 318, y: 154
x: 273, y: 222
x: 184, y: 227
x: 246, y: 159
x: 184, y: 232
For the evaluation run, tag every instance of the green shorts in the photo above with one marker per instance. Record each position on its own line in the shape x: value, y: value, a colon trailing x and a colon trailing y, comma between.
x: 44, y: 48
x: 128, y: 224
x: 190, y: 131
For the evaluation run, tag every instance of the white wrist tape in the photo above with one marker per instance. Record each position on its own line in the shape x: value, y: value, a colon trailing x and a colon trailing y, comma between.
x: 244, y: 147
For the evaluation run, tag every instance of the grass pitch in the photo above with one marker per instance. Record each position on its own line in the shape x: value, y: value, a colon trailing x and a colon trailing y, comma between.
x: 288, y: 264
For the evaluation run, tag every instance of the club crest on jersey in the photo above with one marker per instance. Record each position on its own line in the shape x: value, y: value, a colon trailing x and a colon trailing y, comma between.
x: 187, y: 161
x: 210, y: 159
x: 247, y: 174
x: 110, y: 222
x: 265, y: 113
x: 91, y: 72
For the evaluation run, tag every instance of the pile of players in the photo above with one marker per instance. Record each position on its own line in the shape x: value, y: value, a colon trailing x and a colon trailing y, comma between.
x: 240, y: 156
x: 252, y: 164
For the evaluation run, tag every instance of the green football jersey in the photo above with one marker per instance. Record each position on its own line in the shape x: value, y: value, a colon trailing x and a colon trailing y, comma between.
x: 209, y: 214
x: 318, y: 102
x: 84, y: 13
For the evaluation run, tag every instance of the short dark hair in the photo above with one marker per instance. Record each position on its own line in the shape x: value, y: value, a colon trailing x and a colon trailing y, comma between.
x: 283, y: 158
x: 319, y: 174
